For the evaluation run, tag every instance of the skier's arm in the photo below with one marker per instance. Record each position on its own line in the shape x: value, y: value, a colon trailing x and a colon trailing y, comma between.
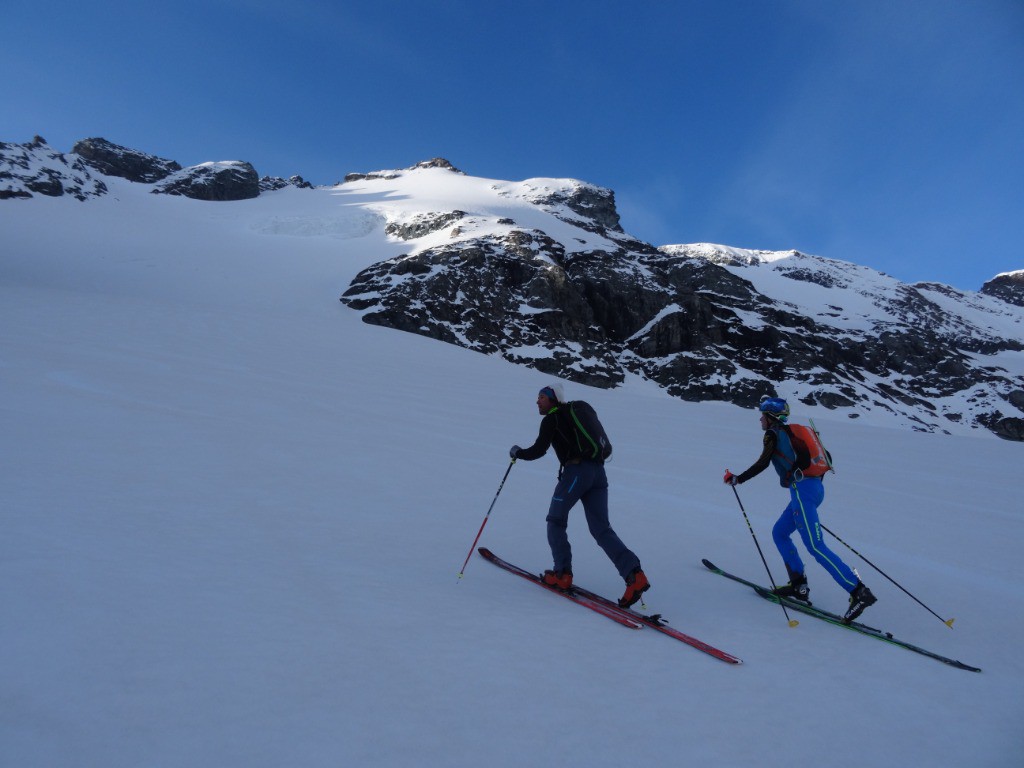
x: 763, y: 460
x: 543, y: 442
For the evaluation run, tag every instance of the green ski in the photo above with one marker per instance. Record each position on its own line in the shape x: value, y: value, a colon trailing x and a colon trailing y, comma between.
x: 833, y: 618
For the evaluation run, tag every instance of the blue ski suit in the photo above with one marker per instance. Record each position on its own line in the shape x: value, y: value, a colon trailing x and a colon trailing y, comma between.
x: 805, y: 496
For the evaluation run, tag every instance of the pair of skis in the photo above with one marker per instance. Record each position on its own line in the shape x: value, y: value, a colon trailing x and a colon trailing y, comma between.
x: 630, y: 618
x: 833, y: 618
x: 611, y: 609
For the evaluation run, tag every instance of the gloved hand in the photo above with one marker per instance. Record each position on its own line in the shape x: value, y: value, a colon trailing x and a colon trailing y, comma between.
x: 729, y: 479
x: 513, y: 452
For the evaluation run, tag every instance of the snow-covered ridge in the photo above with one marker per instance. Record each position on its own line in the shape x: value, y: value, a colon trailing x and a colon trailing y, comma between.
x: 541, y: 273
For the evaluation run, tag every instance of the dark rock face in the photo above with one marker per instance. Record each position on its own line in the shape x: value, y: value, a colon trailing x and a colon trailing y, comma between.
x: 1008, y: 287
x: 223, y: 181
x: 37, y: 169
x: 274, y: 183
x: 586, y: 206
x: 423, y: 224
x: 1009, y: 428
x: 507, y: 295
x: 686, y: 318
x: 437, y: 162
x: 113, y: 160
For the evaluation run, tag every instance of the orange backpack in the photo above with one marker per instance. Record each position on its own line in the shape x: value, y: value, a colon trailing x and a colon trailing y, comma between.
x: 820, y: 460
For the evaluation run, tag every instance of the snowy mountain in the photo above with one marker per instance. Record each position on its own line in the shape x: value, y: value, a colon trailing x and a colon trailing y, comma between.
x: 1008, y: 286
x: 541, y: 273
x: 232, y: 515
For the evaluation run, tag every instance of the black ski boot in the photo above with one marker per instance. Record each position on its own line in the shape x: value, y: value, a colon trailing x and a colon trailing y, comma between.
x: 797, y: 588
x: 860, y: 599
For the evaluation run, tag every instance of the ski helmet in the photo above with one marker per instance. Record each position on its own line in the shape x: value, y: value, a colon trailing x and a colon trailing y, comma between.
x: 775, y: 407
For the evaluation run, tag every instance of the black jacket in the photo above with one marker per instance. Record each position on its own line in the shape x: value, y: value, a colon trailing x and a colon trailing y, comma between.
x: 556, y: 431
x: 767, y: 451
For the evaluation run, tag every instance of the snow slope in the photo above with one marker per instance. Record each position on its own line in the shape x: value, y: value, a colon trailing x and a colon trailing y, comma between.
x: 232, y: 515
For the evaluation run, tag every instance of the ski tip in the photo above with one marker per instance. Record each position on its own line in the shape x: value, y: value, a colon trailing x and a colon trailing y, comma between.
x: 709, y: 564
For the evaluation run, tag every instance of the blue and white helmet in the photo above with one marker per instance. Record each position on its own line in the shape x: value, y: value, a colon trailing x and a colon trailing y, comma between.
x: 775, y: 407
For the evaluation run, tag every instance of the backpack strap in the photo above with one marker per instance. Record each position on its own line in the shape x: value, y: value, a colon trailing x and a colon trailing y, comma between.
x: 591, y: 445
x: 792, y: 468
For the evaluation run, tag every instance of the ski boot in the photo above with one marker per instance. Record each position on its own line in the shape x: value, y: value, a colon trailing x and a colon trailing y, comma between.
x: 860, y: 599
x: 636, y: 585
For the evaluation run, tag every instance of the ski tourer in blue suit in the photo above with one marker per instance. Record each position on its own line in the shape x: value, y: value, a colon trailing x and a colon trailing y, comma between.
x: 801, y: 515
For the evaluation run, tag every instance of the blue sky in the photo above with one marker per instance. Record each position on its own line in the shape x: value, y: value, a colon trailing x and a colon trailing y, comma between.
x: 884, y: 133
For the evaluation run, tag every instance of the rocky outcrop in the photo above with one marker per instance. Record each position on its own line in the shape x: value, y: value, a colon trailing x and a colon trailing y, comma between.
x: 223, y: 181
x: 437, y: 162
x: 700, y: 320
x: 516, y: 295
x: 274, y: 183
x: 1010, y: 428
x: 37, y: 169
x: 422, y: 224
x: 586, y: 206
x: 114, y: 160
x: 1009, y: 287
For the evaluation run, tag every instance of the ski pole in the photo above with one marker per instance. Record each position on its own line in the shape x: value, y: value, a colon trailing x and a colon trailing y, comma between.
x: 473, y: 546
x: 792, y: 622
x: 947, y: 622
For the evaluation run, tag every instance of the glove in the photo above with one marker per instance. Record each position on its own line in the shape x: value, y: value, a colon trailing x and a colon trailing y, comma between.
x: 729, y: 479
x: 513, y: 452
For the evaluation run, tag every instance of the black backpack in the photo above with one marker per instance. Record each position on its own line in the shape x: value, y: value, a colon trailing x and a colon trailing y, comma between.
x: 591, y: 440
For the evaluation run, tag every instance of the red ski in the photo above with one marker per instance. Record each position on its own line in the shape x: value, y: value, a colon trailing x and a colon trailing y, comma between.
x: 611, y: 609
x: 656, y: 621
x: 615, y: 614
